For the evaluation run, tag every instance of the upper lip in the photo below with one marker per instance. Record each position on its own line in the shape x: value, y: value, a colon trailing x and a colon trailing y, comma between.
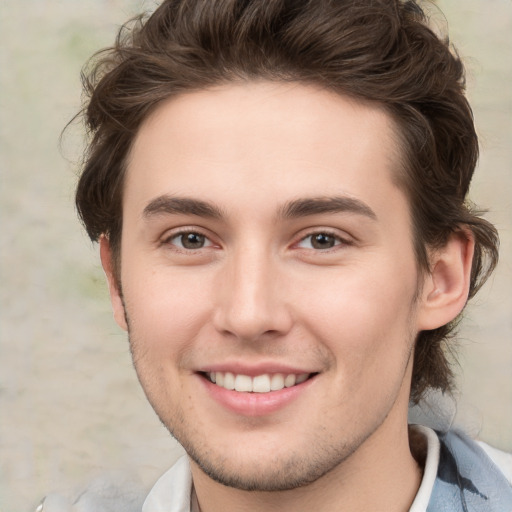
x: 254, y: 370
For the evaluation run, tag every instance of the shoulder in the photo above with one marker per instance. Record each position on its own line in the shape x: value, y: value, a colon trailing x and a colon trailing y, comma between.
x: 121, y: 493
x: 503, y: 460
x: 113, y: 492
x: 172, y: 491
x: 469, y: 478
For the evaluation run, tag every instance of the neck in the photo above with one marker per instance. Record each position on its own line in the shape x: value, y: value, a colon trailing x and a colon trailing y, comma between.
x: 381, y: 475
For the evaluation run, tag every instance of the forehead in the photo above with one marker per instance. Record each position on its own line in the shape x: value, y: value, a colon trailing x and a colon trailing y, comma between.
x: 263, y: 142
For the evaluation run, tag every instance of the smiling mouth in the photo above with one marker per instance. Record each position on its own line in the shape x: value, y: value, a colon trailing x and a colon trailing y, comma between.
x: 264, y: 383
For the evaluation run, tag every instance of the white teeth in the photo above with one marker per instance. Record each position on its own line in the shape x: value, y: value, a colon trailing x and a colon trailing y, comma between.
x: 243, y: 383
x: 277, y: 382
x: 229, y: 380
x: 289, y: 381
x: 259, y: 384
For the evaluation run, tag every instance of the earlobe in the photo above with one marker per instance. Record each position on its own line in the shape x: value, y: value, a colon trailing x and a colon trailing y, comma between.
x: 113, y: 285
x: 446, y: 287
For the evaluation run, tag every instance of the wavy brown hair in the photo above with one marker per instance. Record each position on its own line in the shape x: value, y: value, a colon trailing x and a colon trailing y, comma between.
x: 373, y: 50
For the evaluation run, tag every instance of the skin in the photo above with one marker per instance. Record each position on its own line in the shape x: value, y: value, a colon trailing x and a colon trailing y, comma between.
x: 259, y: 293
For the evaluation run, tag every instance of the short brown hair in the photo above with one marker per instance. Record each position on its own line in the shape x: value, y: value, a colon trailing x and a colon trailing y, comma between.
x: 375, y: 50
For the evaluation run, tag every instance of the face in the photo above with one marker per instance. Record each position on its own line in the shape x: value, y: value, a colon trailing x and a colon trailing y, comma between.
x: 266, y: 248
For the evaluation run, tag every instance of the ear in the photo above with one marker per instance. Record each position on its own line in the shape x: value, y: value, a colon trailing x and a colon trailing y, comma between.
x: 113, y: 285
x: 446, y: 287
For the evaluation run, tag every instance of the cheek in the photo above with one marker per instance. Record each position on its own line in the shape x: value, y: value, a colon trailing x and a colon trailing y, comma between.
x: 364, y: 318
x: 166, y: 310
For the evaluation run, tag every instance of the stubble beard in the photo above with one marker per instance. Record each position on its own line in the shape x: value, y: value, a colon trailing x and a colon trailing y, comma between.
x: 316, y: 458
x: 277, y: 474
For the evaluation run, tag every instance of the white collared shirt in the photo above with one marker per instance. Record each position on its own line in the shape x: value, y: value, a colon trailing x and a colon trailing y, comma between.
x: 173, y: 492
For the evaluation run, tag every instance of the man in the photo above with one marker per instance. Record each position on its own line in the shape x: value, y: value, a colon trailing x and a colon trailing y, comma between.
x: 279, y: 193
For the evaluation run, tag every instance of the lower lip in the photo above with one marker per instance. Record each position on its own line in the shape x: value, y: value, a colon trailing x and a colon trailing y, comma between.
x: 255, y: 404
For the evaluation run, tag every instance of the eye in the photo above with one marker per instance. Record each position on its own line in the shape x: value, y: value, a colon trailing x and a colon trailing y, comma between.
x: 189, y: 240
x: 319, y: 241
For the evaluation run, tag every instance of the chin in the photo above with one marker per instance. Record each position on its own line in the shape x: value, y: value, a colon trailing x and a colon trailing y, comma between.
x: 274, y: 475
x: 267, y: 470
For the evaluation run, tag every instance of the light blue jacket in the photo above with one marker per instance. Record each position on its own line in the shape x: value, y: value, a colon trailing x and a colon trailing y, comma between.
x: 467, y: 480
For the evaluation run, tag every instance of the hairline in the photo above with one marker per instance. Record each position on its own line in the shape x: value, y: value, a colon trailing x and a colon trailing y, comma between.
x: 398, y: 154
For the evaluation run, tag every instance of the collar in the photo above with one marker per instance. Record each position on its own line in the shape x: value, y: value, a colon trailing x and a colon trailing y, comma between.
x: 174, y: 490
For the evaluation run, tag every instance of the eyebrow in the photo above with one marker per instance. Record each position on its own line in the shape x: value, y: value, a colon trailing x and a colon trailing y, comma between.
x: 297, y: 208
x: 167, y: 204
x: 319, y: 205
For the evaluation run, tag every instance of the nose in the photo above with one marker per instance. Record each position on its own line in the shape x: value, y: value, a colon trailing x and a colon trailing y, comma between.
x: 251, y: 300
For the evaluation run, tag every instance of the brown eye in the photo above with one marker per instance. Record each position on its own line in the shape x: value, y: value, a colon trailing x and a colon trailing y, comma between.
x: 190, y: 240
x: 320, y: 241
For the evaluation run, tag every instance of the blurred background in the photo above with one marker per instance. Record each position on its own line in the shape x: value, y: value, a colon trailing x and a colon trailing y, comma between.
x: 70, y: 403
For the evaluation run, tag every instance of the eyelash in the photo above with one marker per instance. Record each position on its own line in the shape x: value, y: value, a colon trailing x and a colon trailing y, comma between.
x: 339, y: 241
x: 168, y: 239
